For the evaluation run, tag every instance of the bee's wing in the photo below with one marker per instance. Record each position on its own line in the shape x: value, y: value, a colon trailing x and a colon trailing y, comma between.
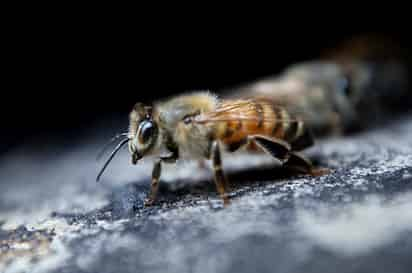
x: 313, y: 92
x: 245, y: 110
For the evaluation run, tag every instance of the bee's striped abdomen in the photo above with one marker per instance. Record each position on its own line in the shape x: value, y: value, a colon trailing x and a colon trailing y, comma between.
x: 292, y: 130
x: 258, y: 117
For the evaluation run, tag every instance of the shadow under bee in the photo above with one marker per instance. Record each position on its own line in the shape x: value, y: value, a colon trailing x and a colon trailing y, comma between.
x: 127, y: 201
x: 240, y: 180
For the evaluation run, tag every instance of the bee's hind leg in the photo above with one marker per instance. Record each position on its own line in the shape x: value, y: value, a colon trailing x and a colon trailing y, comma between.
x: 290, y: 159
x: 154, y: 186
x: 222, y: 184
x: 275, y: 147
x: 300, y: 163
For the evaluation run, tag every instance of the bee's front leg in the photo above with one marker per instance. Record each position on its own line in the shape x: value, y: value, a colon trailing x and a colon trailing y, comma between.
x: 154, y: 186
x: 157, y: 170
x: 220, y: 178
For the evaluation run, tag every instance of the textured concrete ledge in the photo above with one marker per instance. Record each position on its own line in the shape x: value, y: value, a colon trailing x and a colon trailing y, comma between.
x: 55, y: 218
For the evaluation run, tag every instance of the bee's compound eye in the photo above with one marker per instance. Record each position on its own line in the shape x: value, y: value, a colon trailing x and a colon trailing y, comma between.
x: 146, y: 131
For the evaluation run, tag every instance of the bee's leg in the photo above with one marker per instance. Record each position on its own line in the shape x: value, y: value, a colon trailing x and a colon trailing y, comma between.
x: 220, y: 178
x: 275, y: 147
x: 300, y: 163
x: 290, y: 159
x: 154, y: 186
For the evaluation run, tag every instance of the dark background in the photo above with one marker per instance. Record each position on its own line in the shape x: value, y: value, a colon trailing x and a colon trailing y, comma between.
x: 61, y: 78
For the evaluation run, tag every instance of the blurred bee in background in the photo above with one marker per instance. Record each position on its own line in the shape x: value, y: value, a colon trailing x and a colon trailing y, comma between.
x: 274, y: 115
x: 361, y: 84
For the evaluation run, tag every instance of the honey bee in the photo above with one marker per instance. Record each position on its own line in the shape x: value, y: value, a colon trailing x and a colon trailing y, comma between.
x: 276, y: 115
x: 199, y: 125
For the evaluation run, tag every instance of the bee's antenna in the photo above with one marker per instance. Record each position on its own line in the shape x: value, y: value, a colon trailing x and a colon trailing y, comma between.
x: 107, y: 145
x: 123, y: 142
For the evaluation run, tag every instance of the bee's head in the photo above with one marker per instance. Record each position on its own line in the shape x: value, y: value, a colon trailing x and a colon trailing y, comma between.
x: 143, y: 131
x: 142, y: 136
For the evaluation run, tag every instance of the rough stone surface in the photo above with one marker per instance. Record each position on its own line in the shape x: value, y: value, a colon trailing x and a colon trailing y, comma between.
x: 55, y: 218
